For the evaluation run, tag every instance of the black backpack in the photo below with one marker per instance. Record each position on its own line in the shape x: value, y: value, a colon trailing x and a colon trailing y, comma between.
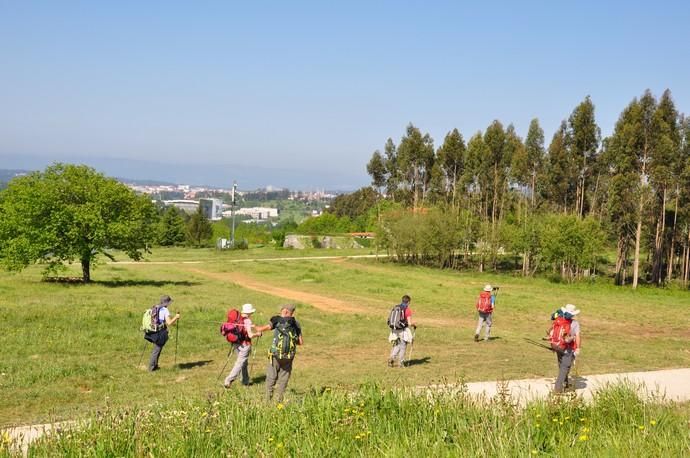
x: 285, y: 336
x: 396, y: 318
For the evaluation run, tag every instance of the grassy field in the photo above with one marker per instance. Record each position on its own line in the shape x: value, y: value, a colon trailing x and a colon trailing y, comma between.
x: 381, y: 422
x: 69, y: 349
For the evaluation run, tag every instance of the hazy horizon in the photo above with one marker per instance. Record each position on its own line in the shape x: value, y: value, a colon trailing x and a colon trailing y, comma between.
x: 304, y: 92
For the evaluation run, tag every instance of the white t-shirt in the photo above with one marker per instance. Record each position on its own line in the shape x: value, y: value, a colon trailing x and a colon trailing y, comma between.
x: 163, y: 314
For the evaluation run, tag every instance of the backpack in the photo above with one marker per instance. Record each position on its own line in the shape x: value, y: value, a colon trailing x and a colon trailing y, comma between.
x: 233, y: 329
x: 396, y: 318
x: 285, y: 336
x: 150, y: 322
x: 559, y: 331
x: 484, y: 304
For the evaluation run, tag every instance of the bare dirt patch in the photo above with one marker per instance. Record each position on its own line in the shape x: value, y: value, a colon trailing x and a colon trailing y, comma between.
x: 323, y: 303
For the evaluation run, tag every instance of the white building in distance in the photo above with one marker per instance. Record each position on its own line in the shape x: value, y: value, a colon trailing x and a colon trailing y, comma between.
x: 256, y: 213
x: 187, y: 206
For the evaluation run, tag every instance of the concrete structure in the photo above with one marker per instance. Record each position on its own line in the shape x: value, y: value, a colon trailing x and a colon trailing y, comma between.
x: 212, y: 208
x: 258, y: 213
x: 187, y: 206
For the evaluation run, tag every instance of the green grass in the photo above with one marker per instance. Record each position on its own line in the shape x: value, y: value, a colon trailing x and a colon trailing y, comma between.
x: 382, y: 422
x: 69, y: 349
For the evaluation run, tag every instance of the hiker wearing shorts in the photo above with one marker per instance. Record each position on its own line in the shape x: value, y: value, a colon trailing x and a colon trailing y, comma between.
x: 565, y: 342
x: 160, y: 337
x: 287, y: 334
x: 485, y: 308
x: 401, y: 325
x: 243, y: 348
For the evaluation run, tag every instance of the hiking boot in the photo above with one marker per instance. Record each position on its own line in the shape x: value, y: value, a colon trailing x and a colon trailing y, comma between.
x: 391, y: 363
x: 227, y: 385
x: 476, y: 337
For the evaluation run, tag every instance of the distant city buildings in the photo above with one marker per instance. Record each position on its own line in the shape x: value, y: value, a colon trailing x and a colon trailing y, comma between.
x: 255, y: 213
x: 212, y: 208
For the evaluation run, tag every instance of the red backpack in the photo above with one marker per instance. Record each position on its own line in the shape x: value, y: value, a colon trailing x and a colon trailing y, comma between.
x: 559, y: 331
x: 484, y: 302
x: 233, y: 329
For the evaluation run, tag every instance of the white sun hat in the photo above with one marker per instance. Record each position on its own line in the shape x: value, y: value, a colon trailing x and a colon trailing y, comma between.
x: 571, y: 309
x: 487, y: 288
x: 248, y: 308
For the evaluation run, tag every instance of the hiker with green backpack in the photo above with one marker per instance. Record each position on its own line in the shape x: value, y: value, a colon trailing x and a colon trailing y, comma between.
x: 287, y: 334
x: 155, y: 323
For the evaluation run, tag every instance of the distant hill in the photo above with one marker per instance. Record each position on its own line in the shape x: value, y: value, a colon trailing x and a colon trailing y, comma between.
x: 198, y: 174
x: 7, y: 175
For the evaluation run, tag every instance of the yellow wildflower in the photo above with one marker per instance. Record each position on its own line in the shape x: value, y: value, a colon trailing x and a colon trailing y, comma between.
x: 652, y: 422
x: 583, y: 437
x: 280, y: 406
x: 640, y: 427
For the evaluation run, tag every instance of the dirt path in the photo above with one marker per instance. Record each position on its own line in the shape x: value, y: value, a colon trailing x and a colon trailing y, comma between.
x: 323, y: 303
x: 672, y: 384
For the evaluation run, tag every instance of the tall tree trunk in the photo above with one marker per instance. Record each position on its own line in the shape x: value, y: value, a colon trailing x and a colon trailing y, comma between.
x: 636, y: 259
x: 657, y: 276
x: 534, y: 179
x: 669, y: 272
x: 86, y: 268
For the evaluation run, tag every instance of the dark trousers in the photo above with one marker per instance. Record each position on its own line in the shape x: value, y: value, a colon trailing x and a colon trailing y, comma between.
x: 565, y: 363
x: 158, y: 339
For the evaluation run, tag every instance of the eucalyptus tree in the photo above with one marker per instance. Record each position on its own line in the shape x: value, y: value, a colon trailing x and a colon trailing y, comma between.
x: 450, y: 159
x: 584, y: 137
x: 415, y: 161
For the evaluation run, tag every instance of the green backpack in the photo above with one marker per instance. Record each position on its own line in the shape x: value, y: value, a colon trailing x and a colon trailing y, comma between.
x: 149, y: 322
x: 285, y: 336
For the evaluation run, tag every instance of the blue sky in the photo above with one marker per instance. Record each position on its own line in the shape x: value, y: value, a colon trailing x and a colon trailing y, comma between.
x: 316, y: 86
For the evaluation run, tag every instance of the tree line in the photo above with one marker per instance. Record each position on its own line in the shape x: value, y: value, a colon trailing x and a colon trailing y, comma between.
x: 497, y: 193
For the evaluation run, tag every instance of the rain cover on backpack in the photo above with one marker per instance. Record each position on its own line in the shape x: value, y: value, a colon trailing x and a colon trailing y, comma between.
x: 150, y: 322
x: 559, y: 332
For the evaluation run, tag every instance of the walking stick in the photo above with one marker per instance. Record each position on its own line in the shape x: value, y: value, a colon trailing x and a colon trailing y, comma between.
x: 227, y: 360
x: 251, y: 364
x: 143, y: 349
x: 177, y: 337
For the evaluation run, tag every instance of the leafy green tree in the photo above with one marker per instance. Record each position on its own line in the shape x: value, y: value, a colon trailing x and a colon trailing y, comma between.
x: 199, y: 229
x: 534, y: 153
x: 415, y: 161
x: 354, y: 204
x: 71, y: 213
x: 450, y: 159
x: 172, y: 227
x: 560, y: 185
x: 584, y: 136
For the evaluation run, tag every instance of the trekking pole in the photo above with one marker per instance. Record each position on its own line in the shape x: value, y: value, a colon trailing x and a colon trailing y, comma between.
x: 537, y: 344
x: 251, y: 364
x: 143, y: 349
x: 227, y: 360
x: 177, y: 337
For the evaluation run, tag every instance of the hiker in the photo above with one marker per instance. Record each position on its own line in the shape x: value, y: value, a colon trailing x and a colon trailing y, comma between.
x: 485, y: 308
x: 400, y: 322
x: 287, y: 334
x: 565, y: 342
x: 158, y: 335
x: 242, y: 345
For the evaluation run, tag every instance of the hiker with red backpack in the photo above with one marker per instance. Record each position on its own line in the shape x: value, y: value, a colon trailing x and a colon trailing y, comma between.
x: 565, y: 342
x: 156, y: 331
x: 486, y: 302
x: 400, y: 323
x: 239, y: 332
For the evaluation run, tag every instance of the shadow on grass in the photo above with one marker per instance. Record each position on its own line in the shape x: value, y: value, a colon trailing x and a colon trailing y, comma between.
x: 119, y: 283
x: 415, y: 362
x: 158, y: 283
x: 258, y: 379
x: 577, y: 382
x: 194, y: 364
